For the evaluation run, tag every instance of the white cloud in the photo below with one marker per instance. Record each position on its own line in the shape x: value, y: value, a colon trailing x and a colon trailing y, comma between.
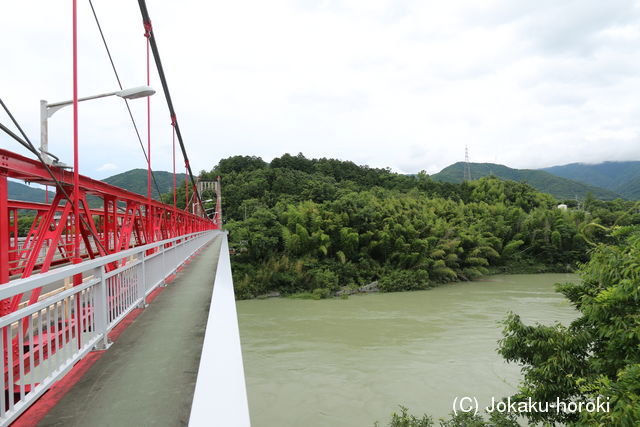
x: 405, y: 84
x: 107, y: 167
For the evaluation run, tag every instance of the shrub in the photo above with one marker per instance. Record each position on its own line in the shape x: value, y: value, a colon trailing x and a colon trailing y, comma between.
x: 404, y: 280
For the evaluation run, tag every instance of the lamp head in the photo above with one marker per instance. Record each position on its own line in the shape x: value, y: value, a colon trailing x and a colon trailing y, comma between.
x: 136, y: 92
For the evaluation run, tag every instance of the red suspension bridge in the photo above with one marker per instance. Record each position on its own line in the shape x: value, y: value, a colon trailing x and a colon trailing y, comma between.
x: 95, y: 254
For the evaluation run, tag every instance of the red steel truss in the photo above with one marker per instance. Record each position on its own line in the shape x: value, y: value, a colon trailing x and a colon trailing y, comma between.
x: 124, y: 220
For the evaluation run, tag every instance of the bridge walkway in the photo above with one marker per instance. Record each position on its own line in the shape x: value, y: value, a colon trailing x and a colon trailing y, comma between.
x: 147, y: 377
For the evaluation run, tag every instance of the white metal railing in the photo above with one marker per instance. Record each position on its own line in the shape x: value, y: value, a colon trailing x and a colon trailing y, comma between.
x: 18, y: 259
x: 220, y: 396
x: 41, y: 342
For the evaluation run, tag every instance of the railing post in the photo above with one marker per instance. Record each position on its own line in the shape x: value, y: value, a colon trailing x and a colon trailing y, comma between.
x: 142, y: 282
x: 101, y: 310
x: 4, y: 233
x: 164, y: 268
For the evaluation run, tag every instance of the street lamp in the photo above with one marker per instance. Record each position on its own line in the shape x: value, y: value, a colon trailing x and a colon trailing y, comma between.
x: 206, y: 201
x: 47, y: 110
x: 206, y: 211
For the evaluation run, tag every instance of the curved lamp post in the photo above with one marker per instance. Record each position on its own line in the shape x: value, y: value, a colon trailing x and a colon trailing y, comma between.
x: 47, y: 110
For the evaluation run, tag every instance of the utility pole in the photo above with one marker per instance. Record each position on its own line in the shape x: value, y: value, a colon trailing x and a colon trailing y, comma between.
x: 467, y: 166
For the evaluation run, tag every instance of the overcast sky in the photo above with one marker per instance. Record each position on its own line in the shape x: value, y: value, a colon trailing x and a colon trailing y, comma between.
x: 388, y: 83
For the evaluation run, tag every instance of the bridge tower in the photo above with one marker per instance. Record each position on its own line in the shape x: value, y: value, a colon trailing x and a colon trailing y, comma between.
x: 206, y: 185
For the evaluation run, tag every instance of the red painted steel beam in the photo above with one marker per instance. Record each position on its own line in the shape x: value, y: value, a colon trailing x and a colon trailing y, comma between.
x: 20, y: 167
x: 4, y: 229
x: 112, y: 227
x: 36, y: 206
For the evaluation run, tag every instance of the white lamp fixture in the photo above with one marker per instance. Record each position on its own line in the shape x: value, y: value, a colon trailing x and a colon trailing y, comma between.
x: 47, y: 110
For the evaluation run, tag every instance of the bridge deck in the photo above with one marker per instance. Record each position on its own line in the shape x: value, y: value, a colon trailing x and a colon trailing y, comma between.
x: 147, y: 377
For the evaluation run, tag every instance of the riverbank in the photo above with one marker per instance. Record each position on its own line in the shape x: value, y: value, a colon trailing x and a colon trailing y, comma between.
x: 374, y: 287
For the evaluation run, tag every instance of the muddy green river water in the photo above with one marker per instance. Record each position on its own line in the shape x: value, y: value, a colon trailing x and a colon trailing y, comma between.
x: 351, y: 362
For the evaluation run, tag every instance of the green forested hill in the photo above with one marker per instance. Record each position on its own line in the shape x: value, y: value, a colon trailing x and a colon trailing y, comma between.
x: 631, y: 189
x: 620, y: 177
x: 543, y: 181
x: 314, y: 225
x: 27, y: 193
x: 135, y: 180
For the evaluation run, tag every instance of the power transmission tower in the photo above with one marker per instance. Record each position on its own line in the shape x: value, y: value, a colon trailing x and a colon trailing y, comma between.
x: 467, y: 165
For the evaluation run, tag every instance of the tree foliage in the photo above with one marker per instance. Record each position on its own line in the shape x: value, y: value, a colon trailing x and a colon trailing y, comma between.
x: 598, y: 354
x: 461, y: 419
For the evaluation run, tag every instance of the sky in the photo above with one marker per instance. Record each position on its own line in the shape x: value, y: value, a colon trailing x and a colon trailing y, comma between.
x: 387, y: 83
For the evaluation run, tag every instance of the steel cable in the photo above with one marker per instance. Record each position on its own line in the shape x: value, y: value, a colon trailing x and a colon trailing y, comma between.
x: 165, y: 87
x: 133, y: 121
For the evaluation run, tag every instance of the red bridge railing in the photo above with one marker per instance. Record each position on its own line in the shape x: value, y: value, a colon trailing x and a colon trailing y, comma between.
x: 119, y: 220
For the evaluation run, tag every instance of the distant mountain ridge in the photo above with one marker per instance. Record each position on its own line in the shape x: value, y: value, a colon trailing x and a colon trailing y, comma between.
x: 561, y: 188
x: 606, y: 181
x: 134, y: 180
x: 26, y: 193
x: 620, y: 177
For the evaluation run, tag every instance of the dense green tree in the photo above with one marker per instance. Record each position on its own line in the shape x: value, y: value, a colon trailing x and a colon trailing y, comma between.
x: 461, y: 419
x: 24, y: 223
x: 598, y: 355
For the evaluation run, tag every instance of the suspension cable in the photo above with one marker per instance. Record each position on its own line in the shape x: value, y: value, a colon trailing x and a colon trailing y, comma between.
x: 175, y: 190
x: 133, y: 121
x: 156, y: 55
x: 150, y: 210
x: 16, y: 137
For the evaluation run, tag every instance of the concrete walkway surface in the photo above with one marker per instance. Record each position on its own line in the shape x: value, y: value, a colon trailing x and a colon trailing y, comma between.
x: 147, y: 377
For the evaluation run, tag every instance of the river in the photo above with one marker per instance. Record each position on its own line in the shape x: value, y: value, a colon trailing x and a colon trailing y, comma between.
x: 351, y: 362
